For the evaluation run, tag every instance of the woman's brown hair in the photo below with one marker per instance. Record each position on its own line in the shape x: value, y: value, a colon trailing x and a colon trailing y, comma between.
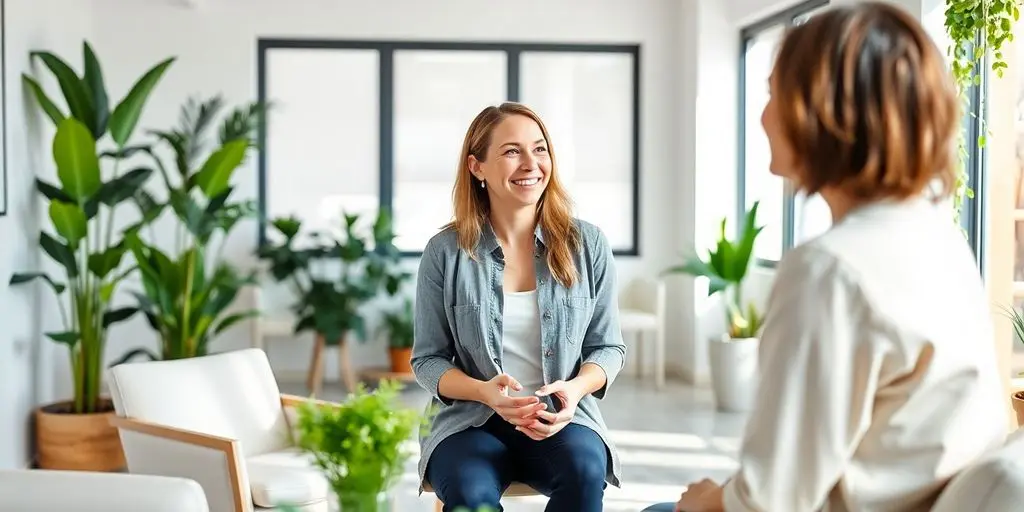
x: 554, y: 209
x: 867, y: 103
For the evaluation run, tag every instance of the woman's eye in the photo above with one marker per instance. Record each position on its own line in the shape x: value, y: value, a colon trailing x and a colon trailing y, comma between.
x: 512, y: 151
x: 541, y: 149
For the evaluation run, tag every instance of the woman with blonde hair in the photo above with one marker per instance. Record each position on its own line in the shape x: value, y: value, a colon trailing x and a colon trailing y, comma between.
x: 517, y: 329
x: 879, y: 379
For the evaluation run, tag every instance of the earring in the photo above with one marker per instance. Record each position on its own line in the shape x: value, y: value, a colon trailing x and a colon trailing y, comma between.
x: 483, y: 184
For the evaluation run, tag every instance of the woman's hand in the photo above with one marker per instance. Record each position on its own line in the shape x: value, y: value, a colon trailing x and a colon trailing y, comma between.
x: 569, y: 394
x: 515, y: 410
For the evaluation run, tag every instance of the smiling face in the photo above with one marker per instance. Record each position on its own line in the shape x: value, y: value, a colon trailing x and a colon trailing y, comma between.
x: 516, y: 166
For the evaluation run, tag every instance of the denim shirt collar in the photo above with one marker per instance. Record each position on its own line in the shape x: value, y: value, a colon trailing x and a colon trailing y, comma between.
x: 489, y: 241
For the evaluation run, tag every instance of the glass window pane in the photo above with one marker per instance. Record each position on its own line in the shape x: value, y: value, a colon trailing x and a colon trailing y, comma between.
x: 759, y: 183
x: 322, y: 143
x: 586, y: 102
x: 437, y: 95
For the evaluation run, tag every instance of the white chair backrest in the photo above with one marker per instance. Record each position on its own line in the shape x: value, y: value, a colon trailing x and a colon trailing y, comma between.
x: 644, y: 294
x: 232, y: 394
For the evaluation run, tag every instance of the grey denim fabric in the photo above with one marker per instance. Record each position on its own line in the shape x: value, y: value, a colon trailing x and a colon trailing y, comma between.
x: 458, y: 320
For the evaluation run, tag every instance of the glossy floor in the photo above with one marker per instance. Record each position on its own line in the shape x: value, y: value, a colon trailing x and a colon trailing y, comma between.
x: 665, y: 439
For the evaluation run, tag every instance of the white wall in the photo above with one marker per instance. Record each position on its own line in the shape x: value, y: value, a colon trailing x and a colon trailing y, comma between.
x: 216, y: 46
x: 27, y: 362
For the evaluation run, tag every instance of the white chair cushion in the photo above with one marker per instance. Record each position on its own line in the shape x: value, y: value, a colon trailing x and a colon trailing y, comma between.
x: 285, y: 477
x: 995, y: 483
x: 631, y: 320
x: 232, y: 394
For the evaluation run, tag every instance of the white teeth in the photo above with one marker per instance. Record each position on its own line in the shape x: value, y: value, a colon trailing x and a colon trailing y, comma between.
x: 527, y: 183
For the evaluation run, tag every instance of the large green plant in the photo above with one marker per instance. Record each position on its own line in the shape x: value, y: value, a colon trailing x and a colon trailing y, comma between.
x: 968, y: 22
x: 360, y: 444
x: 186, y: 294
x: 333, y: 276
x: 82, y: 207
x: 726, y: 268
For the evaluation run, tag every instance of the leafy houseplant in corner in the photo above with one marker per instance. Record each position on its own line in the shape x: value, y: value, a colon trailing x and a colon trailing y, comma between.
x: 733, y: 357
x: 361, y: 444
x: 186, y: 295
x: 332, y: 277
x: 1017, y: 397
x: 76, y: 434
x: 399, y: 327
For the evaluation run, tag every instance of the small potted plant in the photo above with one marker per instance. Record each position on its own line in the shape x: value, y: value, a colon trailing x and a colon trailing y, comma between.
x: 361, y: 444
x: 1017, y: 397
x: 399, y: 330
x: 733, y: 356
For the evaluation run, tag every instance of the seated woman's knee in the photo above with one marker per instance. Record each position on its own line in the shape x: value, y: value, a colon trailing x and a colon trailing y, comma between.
x: 469, y: 492
x: 584, y: 470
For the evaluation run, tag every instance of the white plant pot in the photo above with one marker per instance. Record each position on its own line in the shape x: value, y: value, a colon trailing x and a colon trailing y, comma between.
x: 734, y: 372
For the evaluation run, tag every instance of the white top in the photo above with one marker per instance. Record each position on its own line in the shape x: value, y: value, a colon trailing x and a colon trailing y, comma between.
x: 878, y: 370
x: 520, y: 341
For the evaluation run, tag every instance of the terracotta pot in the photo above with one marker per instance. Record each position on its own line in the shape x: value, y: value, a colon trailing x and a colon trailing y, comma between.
x: 401, y: 359
x: 1018, y: 406
x: 85, y: 442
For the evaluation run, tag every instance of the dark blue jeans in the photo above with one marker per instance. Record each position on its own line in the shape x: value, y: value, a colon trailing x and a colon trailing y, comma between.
x: 474, y: 467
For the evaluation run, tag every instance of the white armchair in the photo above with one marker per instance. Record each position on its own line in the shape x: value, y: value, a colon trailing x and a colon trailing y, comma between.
x: 38, y: 490
x: 642, y: 315
x: 221, y: 421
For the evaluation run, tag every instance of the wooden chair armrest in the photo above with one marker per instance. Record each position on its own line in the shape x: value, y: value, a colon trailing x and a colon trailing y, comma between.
x: 223, y: 444
x: 296, y: 400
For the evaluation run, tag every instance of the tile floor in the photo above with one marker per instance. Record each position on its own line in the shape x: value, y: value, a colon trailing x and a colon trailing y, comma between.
x: 665, y: 439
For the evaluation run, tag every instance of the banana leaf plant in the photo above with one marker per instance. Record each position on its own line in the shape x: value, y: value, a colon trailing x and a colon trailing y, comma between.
x: 726, y: 268
x: 333, y: 276
x: 82, y: 206
x: 186, y: 295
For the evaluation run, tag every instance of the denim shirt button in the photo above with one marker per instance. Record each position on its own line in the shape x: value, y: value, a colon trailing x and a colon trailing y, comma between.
x: 547, y: 315
x: 548, y: 353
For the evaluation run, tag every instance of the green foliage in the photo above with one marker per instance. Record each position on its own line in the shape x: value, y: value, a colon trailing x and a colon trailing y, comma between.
x: 725, y: 268
x: 328, y: 298
x: 398, y: 325
x: 993, y: 21
x: 82, y: 207
x: 1017, y: 320
x: 360, y: 444
x: 185, y: 297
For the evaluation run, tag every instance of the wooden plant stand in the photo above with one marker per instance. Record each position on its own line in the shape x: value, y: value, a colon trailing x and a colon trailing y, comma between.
x: 315, y: 376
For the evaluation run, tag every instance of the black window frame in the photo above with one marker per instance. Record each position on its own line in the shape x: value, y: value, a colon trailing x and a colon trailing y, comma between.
x: 972, y: 214
x: 386, y: 49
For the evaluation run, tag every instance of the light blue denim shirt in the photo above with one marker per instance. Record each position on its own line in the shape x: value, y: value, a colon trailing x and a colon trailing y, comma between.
x: 459, y: 305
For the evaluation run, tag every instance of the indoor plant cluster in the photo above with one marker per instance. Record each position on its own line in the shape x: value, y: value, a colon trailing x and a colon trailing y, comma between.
x: 103, y: 168
x: 733, y: 356
x: 334, y: 274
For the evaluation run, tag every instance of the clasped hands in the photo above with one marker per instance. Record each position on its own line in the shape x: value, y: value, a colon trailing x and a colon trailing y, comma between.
x: 528, y: 413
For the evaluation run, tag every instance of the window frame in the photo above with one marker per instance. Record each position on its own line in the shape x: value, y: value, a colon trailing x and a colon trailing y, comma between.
x: 386, y: 114
x: 972, y: 216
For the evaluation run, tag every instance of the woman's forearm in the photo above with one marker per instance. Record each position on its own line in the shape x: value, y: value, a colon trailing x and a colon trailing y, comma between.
x: 456, y: 385
x: 590, y: 379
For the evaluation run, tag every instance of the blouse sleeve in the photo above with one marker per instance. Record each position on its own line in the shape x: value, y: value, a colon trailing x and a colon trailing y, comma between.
x: 818, y: 374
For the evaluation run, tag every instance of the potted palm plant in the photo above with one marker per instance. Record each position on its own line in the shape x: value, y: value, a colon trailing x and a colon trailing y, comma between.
x: 399, y: 331
x: 361, y: 444
x: 83, y: 242
x: 186, y: 295
x: 1017, y: 397
x: 733, y: 356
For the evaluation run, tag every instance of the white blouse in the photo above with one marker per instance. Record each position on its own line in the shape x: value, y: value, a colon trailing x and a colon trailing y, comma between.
x: 878, y: 370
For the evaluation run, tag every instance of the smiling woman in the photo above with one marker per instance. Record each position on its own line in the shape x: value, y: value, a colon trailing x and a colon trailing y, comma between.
x: 516, y: 331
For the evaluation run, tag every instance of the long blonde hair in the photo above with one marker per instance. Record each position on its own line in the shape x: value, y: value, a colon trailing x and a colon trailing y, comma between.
x: 472, y: 205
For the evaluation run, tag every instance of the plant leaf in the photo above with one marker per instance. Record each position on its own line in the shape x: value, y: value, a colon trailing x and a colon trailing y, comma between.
x: 123, y: 187
x: 132, y: 354
x: 216, y: 172
x: 93, y: 79
x: 230, y: 320
x: 126, y: 113
x: 52, y: 110
x: 78, y: 168
x: 69, y: 338
x: 16, y: 279
x: 52, y: 193
x: 69, y: 221
x: 118, y: 315
x: 60, y: 253
x: 75, y: 91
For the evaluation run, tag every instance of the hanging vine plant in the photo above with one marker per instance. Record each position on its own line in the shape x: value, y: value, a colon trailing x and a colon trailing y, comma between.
x: 968, y: 23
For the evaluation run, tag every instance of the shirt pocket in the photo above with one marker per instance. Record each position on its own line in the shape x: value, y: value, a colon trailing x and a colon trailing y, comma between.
x: 468, y: 327
x: 577, y: 311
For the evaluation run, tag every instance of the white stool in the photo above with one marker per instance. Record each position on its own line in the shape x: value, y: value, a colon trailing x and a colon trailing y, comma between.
x: 642, y: 314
